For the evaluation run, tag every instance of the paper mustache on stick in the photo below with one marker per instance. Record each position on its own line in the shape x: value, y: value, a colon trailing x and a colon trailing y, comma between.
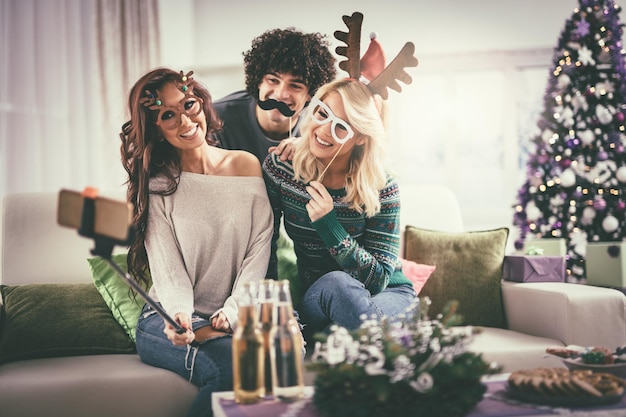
x: 271, y: 104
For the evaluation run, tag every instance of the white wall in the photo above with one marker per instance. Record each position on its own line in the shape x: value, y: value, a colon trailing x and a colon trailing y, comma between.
x: 222, y: 30
x: 211, y: 35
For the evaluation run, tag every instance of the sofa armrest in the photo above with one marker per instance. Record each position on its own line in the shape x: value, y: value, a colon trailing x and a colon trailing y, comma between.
x: 575, y: 314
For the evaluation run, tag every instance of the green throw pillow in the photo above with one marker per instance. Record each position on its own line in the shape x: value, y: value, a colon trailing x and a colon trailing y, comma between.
x: 116, y: 292
x: 468, y: 269
x: 50, y: 320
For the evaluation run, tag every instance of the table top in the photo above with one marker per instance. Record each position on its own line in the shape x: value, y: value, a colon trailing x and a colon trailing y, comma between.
x: 493, y: 405
x: 224, y: 405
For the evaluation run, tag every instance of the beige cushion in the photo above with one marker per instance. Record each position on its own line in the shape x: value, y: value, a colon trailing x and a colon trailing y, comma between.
x: 512, y: 350
x: 92, y: 386
x: 468, y: 269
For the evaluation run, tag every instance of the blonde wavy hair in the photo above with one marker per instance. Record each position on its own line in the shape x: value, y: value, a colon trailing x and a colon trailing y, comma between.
x: 367, y: 173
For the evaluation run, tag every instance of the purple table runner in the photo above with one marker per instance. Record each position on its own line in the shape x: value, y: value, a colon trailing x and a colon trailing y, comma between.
x: 493, y: 405
x: 270, y: 408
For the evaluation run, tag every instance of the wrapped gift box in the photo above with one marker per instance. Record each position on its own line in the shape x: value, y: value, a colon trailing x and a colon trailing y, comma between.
x: 550, y: 247
x: 534, y: 268
x: 606, y: 264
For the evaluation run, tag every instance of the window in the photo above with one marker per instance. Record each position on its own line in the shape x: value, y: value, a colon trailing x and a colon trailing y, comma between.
x: 468, y: 128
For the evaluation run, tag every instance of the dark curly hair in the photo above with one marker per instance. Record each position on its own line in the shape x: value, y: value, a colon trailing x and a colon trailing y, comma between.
x: 304, y: 55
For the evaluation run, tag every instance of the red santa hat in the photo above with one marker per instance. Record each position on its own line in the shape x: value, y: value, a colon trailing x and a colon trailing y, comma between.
x: 373, y: 61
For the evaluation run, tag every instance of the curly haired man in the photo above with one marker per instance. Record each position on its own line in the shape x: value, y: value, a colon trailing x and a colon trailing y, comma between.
x: 283, y: 70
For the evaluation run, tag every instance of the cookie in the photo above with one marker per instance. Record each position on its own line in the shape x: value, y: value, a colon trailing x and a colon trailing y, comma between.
x: 585, y: 386
x: 566, y: 387
x: 560, y: 382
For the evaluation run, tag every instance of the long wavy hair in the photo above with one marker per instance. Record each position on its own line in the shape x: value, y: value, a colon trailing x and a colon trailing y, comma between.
x: 145, y: 154
x: 367, y: 173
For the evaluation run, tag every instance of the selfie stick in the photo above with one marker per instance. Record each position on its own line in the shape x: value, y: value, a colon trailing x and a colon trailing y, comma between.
x: 104, y: 248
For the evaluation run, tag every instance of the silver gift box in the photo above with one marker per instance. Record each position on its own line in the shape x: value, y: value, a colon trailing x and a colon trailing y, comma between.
x: 606, y: 264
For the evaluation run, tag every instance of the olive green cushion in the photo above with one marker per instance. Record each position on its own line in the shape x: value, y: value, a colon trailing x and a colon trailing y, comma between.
x: 49, y: 320
x: 468, y: 269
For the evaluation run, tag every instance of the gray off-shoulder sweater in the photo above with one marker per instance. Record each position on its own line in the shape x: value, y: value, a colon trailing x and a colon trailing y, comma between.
x: 205, y: 240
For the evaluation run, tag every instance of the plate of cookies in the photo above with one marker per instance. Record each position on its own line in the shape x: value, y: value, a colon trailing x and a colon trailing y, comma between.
x: 564, y: 387
x: 596, y: 358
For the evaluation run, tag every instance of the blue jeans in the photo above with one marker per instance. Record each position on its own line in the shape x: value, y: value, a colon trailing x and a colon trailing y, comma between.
x: 337, y: 298
x: 208, y: 365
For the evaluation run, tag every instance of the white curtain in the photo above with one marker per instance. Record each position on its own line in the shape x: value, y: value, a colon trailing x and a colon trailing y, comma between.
x: 66, y: 68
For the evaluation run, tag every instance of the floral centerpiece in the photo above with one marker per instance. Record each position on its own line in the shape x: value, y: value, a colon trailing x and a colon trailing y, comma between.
x: 402, y: 367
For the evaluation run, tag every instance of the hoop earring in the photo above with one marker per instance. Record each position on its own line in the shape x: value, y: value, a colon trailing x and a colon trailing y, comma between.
x: 161, y: 139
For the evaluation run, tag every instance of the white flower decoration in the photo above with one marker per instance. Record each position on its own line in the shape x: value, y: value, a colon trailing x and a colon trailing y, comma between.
x: 423, y: 383
x: 402, y: 369
x: 375, y: 362
x: 415, y: 347
x: 435, y: 345
x: 340, y: 347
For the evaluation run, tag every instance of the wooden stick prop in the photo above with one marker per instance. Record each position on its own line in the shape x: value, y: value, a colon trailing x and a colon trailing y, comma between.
x: 319, y: 179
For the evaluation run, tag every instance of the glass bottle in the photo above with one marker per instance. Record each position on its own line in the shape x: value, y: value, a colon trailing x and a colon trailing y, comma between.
x: 248, y: 367
x: 288, y: 348
x: 267, y: 323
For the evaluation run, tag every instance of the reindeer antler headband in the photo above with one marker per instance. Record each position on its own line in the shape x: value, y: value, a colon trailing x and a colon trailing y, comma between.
x: 389, y: 76
x: 153, y: 103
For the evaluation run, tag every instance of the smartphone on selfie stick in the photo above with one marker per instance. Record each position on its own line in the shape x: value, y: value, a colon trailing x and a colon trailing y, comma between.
x: 109, y: 223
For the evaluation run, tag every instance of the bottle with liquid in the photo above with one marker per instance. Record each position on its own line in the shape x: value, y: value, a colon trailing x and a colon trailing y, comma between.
x: 267, y: 323
x: 248, y: 365
x: 288, y: 348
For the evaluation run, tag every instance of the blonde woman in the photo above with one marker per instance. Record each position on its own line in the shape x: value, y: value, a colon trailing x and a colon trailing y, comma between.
x: 342, y: 211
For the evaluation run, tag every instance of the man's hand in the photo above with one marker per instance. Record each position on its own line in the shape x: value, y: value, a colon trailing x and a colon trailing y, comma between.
x: 284, y: 149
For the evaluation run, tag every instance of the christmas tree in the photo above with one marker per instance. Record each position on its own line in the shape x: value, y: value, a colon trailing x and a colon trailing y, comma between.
x: 576, y: 171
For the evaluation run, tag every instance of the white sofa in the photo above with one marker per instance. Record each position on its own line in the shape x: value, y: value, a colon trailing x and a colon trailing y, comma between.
x: 539, y: 315
x: 35, y: 250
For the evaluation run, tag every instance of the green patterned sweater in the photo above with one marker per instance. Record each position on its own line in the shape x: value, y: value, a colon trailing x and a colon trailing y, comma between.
x: 364, y: 247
